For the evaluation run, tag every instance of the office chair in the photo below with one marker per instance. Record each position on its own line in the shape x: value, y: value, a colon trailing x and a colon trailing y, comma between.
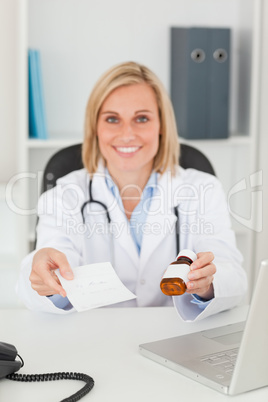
x: 69, y: 159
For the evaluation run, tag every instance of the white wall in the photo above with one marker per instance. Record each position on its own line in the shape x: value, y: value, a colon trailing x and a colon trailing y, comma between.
x: 8, y: 85
x: 79, y: 40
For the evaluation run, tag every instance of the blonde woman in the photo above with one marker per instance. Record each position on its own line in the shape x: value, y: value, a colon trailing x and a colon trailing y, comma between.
x: 131, y: 171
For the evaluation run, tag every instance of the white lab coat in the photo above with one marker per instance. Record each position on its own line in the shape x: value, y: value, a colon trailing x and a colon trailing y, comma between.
x: 204, y: 226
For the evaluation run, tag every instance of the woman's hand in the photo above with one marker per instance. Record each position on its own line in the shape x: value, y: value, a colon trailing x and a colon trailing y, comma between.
x: 43, y: 278
x: 201, y: 276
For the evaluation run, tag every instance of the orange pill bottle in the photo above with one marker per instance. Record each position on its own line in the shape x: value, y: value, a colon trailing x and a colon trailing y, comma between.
x: 174, y: 280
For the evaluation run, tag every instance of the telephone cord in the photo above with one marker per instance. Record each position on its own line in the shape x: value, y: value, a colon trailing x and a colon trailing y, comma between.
x: 58, y: 376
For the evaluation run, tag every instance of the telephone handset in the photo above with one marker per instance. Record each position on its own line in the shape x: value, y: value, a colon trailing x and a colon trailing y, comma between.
x: 9, y: 365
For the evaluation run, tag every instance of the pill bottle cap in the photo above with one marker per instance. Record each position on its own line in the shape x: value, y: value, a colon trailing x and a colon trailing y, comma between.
x: 187, y: 253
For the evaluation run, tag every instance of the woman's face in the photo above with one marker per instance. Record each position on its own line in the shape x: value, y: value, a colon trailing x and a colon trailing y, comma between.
x: 128, y: 129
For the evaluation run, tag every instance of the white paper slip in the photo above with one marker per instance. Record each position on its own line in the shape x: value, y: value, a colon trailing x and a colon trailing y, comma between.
x: 95, y: 285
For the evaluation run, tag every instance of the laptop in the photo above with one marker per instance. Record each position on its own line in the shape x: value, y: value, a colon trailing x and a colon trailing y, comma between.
x: 231, y: 359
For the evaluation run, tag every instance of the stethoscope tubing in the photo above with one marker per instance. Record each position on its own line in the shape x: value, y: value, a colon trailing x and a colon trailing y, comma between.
x: 91, y: 200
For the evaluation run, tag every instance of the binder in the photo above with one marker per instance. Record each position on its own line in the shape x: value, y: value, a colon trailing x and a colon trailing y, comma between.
x: 37, y: 116
x: 200, y: 81
x: 219, y: 82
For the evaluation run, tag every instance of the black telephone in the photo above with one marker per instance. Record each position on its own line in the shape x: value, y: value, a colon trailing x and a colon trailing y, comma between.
x: 9, y: 366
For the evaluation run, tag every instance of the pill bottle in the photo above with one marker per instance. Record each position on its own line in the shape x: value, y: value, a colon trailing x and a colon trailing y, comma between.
x: 174, y: 280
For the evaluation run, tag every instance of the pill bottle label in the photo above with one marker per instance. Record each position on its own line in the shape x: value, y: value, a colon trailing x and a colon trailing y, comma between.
x: 177, y: 271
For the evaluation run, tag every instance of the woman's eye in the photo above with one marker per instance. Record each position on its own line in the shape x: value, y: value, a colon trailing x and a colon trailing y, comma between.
x: 112, y: 119
x: 142, y: 119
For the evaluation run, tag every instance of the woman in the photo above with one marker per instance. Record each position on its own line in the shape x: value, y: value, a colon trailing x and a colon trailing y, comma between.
x: 130, y: 154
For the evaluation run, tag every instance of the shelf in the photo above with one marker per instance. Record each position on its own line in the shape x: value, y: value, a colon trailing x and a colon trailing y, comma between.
x: 52, y: 143
x: 232, y: 140
x: 65, y: 142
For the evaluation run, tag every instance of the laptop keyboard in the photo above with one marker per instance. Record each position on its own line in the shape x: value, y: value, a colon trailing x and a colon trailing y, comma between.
x: 225, y: 361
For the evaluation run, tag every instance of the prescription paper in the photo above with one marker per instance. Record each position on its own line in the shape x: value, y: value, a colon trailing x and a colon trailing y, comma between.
x: 95, y: 285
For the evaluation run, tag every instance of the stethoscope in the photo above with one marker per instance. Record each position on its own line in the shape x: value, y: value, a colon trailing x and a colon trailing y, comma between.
x: 91, y: 200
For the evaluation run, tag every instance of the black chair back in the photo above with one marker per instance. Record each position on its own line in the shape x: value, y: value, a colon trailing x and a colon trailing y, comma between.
x: 69, y: 159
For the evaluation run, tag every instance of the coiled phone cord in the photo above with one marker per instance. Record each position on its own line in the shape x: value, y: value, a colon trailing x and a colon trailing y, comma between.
x: 57, y: 376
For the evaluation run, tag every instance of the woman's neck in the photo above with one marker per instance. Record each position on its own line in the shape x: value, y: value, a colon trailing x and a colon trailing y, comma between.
x: 131, y: 186
x: 130, y: 181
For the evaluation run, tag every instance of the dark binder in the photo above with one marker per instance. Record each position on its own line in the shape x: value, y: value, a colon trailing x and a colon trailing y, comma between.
x: 200, y: 81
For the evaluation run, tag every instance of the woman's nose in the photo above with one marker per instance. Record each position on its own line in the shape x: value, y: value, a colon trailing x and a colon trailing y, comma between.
x: 127, y: 133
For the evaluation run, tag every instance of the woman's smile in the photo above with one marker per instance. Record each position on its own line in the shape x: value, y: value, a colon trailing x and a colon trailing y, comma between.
x: 127, y: 151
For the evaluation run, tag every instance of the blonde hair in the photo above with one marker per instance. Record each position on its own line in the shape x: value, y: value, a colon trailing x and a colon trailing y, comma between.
x: 131, y: 73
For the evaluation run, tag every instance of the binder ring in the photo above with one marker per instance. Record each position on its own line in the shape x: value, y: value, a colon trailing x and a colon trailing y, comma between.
x: 220, y: 55
x: 198, y: 55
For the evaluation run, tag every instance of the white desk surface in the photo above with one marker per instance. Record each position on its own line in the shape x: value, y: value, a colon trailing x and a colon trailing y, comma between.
x: 104, y: 343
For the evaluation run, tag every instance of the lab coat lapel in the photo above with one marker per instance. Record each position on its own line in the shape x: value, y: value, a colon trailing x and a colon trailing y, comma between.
x: 161, y: 219
x: 119, y: 224
x: 160, y: 226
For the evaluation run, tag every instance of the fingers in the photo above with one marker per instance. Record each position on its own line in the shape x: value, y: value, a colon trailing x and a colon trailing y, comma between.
x: 43, y: 278
x: 63, y: 265
x: 199, y: 286
x: 44, y: 282
x: 201, y: 276
x: 202, y: 260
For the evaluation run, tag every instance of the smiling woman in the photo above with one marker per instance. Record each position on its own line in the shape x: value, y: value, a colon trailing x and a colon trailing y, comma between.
x: 130, y: 154
x: 150, y: 104
x: 128, y: 132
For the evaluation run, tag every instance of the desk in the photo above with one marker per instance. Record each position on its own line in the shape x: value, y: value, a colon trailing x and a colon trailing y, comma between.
x: 104, y: 344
